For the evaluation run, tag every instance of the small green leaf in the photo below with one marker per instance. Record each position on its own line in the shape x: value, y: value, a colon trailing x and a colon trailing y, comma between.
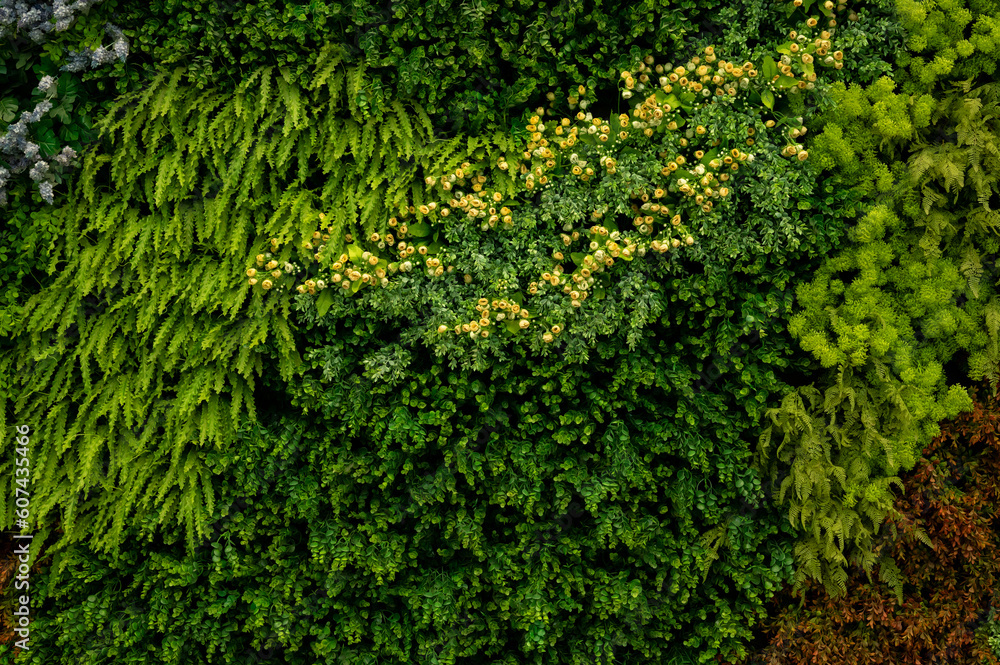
x: 578, y: 258
x: 786, y: 82
x: 324, y: 301
x: 355, y: 251
x: 418, y: 230
x: 512, y: 326
x: 709, y: 156
x: 47, y: 141
x: 8, y: 109
x: 767, y: 97
x: 356, y: 286
x: 770, y: 68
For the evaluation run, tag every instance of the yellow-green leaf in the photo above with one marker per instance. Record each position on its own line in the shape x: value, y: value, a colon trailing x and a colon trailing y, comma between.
x: 324, y: 301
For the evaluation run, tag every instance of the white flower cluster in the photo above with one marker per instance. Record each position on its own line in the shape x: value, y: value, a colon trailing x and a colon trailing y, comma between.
x: 21, y: 154
x: 94, y: 58
x: 46, y: 84
x: 39, y: 170
x: 35, y: 19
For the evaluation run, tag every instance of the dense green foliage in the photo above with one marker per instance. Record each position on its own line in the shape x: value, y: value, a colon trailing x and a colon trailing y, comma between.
x: 408, y: 514
x: 468, y: 331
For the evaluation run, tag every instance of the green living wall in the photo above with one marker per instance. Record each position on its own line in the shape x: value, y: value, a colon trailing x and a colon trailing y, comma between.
x: 327, y: 363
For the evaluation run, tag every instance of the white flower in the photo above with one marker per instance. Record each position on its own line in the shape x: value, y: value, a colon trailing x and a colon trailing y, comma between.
x: 46, y: 83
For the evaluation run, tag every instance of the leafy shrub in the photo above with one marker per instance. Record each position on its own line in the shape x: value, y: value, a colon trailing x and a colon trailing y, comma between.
x: 889, y: 313
x: 403, y: 519
x: 950, y: 553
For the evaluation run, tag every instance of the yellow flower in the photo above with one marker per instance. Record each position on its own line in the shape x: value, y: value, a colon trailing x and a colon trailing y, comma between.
x: 523, y: 324
x: 547, y: 337
x: 442, y: 328
x: 252, y: 282
x: 251, y: 272
x: 266, y: 284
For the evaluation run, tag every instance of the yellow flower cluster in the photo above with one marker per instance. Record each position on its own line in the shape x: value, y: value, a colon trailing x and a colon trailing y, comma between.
x: 497, y: 311
x: 830, y: 10
x: 548, y: 151
x: 696, y: 76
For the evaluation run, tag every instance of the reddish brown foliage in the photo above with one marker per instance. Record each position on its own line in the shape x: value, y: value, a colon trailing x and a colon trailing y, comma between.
x: 8, y: 568
x: 8, y: 563
x: 952, y: 494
